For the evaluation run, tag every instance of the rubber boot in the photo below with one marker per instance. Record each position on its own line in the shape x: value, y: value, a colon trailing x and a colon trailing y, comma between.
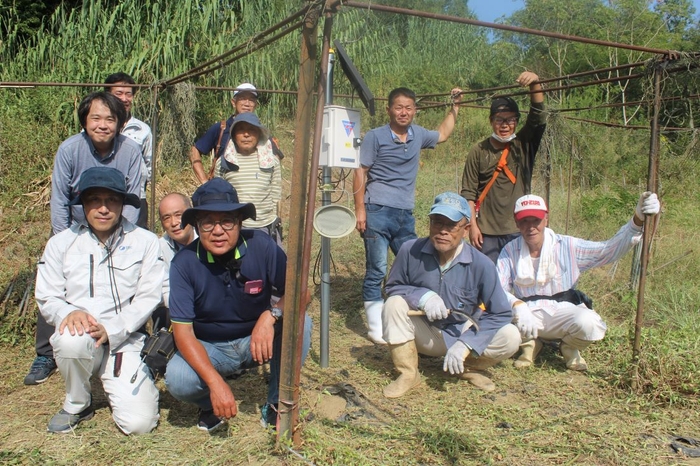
x: 528, y: 352
x: 479, y: 379
x: 373, y: 311
x: 405, y: 358
x: 572, y: 358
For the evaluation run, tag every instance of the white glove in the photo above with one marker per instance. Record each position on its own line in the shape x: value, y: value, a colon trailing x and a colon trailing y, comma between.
x: 454, y: 359
x: 435, y: 309
x: 648, y: 204
x: 527, y: 323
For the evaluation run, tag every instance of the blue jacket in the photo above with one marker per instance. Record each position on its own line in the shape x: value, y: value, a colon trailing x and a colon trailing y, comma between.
x: 470, y: 280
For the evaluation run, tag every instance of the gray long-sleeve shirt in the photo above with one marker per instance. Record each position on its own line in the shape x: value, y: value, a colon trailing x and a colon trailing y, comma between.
x: 75, y: 155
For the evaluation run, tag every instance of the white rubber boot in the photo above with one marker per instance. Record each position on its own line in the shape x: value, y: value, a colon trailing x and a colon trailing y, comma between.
x: 373, y: 311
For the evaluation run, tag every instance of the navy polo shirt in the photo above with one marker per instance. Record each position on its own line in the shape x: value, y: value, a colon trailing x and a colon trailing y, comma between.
x: 224, y: 304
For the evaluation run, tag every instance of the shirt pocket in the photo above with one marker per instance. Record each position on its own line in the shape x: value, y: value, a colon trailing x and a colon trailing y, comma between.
x: 127, y: 271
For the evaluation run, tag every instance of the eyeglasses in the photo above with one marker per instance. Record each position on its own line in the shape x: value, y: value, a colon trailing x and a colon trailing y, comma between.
x: 227, y: 224
x: 446, y: 225
x: 510, y: 121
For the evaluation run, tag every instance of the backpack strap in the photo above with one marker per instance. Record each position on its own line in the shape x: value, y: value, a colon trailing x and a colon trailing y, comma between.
x: 216, y: 149
x: 501, y: 167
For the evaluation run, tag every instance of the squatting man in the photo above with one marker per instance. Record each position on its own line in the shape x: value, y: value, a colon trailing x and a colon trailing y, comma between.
x: 539, y: 271
x: 448, y: 279
x: 98, y: 283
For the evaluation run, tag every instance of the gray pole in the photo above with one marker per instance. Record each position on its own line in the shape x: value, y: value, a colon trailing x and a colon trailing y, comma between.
x: 326, y: 242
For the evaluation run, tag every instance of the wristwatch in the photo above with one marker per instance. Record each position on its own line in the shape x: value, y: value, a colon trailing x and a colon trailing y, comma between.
x: 276, y: 313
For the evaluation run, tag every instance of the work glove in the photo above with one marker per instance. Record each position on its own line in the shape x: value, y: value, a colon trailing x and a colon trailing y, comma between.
x: 454, y: 359
x: 648, y: 204
x: 435, y: 309
x: 527, y: 323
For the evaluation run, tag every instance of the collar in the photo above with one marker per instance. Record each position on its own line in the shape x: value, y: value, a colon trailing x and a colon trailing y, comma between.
x: 95, y: 153
x: 239, y: 252
x: 395, y: 137
x: 465, y: 256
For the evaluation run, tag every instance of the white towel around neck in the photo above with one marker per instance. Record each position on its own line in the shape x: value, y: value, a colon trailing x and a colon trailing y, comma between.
x: 525, y: 275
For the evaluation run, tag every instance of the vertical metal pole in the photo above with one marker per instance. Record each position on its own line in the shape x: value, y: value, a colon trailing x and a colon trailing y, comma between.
x: 326, y: 242
x: 648, y: 223
x: 568, y: 193
x: 154, y: 134
x: 295, y: 285
x: 547, y: 173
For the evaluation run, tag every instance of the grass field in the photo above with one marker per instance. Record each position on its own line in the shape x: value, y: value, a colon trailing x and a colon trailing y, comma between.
x: 542, y: 416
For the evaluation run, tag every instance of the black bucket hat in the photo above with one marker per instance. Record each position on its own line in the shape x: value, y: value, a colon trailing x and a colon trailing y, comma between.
x: 105, y: 178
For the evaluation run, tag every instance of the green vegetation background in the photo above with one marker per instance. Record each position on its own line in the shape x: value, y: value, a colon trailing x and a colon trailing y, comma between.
x: 596, y: 172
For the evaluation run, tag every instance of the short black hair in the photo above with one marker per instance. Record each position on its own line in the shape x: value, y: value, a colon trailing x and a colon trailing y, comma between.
x: 116, y: 108
x: 120, y: 77
x: 401, y: 91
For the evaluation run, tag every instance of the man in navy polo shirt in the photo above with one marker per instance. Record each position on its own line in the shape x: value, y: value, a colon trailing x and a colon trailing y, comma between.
x: 384, y: 190
x: 220, y: 290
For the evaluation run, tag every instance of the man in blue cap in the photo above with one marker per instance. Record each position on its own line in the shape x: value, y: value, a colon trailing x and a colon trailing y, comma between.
x: 448, y: 280
x: 220, y: 290
x: 98, y: 283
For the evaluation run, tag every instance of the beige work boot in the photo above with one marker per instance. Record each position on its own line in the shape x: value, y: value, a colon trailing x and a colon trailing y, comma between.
x: 528, y: 352
x: 405, y: 357
x: 480, y: 379
x: 572, y: 358
x: 373, y: 312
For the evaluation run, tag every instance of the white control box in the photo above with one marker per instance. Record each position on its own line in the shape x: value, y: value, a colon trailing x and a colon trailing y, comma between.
x: 340, y: 144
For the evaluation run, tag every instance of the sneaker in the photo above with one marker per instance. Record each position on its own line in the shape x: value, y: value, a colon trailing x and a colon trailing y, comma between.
x: 208, y: 422
x: 64, y: 422
x: 41, y: 369
x: 269, y: 416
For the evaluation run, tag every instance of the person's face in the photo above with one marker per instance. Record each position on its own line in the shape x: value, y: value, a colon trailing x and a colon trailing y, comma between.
x: 532, y: 230
x: 401, y: 111
x: 446, y: 234
x: 244, y: 102
x: 103, y: 210
x: 246, y: 137
x: 100, y: 124
x: 504, y: 123
x: 225, y: 227
x: 125, y: 94
x: 170, y: 210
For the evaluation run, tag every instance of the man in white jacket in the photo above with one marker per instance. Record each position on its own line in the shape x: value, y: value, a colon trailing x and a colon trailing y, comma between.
x: 98, y: 283
x: 539, y: 271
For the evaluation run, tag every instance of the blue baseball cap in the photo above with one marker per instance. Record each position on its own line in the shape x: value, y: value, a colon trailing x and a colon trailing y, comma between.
x: 452, y: 206
x: 216, y: 195
x: 105, y: 178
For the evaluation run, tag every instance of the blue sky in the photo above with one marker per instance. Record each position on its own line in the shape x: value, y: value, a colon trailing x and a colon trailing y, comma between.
x: 489, y: 10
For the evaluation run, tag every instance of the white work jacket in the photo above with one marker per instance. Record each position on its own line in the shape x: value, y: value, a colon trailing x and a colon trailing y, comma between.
x: 120, y: 290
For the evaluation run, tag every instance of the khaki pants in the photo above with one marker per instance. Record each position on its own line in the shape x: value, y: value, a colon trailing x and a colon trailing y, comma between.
x: 400, y: 328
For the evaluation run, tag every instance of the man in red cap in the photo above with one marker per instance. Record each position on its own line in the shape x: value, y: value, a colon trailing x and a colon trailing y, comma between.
x: 540, y: 269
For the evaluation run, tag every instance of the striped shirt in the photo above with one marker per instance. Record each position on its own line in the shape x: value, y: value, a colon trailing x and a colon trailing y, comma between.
x: 571, y: 256
x: 260, y: 186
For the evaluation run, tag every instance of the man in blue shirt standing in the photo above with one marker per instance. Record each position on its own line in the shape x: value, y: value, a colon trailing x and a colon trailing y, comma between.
x: 448, y: 280
x: 220, y: 290
x: 384, y: 191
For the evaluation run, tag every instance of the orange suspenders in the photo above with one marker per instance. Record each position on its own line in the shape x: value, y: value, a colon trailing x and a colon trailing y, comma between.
x: 501, y: 167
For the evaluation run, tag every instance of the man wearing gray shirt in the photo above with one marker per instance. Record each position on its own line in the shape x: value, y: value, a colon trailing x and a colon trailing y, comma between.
x: 100, y: 144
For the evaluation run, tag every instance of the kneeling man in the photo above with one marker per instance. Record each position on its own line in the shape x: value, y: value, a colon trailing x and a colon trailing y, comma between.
x: 539, y: 271
x: 220, y: 290
x: 447, y: 279
x: 98, y: 283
